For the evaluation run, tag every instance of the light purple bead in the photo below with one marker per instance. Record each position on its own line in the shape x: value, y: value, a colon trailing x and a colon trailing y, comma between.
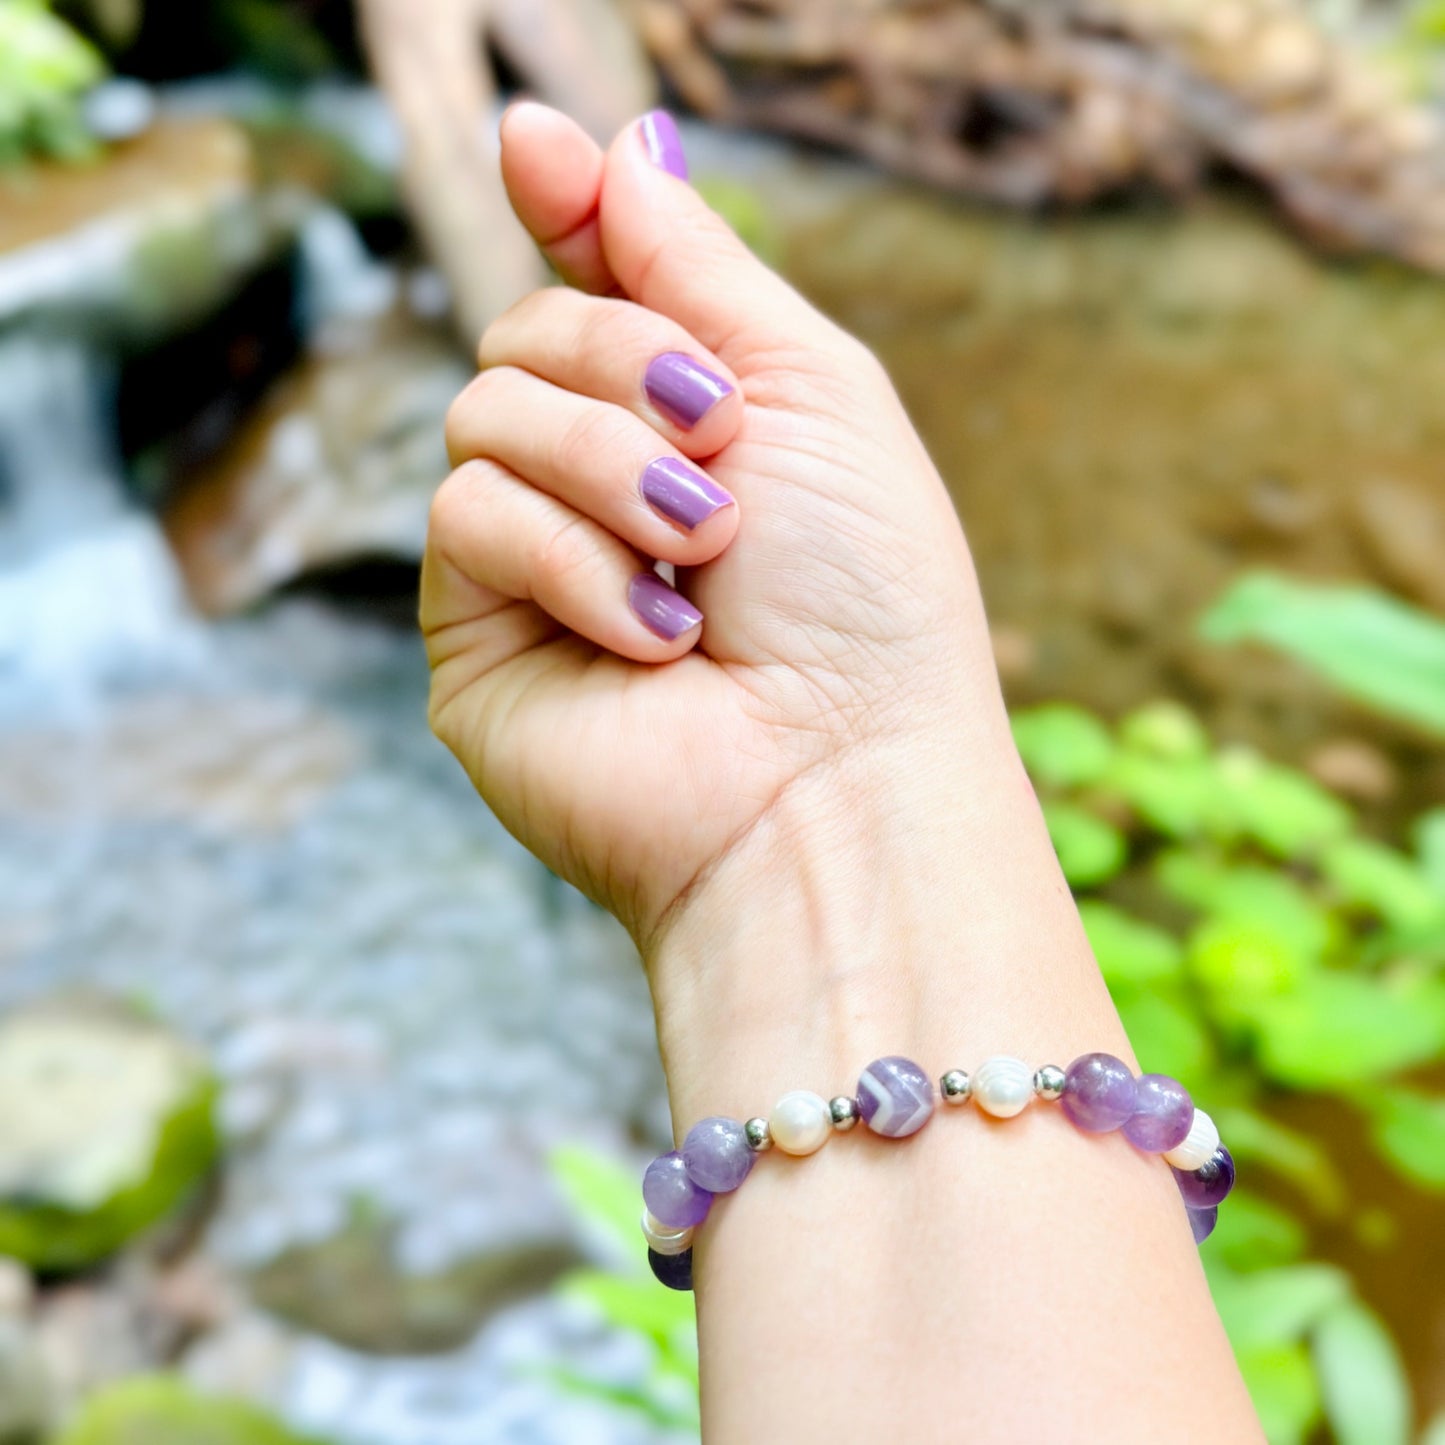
x: 1099, y: 1093
x: 1163, y: 1112
x: 1202, y: 1222
x: 895, y: 1097
x: 671, y: 1196
x: 717, y: 1155
x: 1205, y: 1187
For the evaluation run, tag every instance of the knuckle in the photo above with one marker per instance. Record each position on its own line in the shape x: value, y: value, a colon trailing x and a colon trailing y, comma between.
x: 454, y: 504
x: 567, y: 553
x: 518, y: 317
x: 597, y: 432
x: 471, y: 412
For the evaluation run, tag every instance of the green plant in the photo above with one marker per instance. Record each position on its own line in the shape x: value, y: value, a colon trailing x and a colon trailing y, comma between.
x: 1373, y: 647
x: 1258, y: 944
x: 44, y: 67
x: 161, y: 1410
x: 604, y: 1196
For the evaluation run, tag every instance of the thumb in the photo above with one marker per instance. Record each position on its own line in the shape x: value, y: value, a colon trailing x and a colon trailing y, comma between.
x: 673, y: 254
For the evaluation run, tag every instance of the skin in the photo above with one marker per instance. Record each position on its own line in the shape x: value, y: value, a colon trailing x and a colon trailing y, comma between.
x: 809, y: 813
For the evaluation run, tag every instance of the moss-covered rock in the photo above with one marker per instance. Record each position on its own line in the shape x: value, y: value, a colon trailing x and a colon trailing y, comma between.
x: 109, y: 1127
x: 158, y: 1410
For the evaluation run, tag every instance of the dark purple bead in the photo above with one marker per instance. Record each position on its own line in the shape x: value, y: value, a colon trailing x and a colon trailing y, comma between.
x: 1163, y: 1112
x: 671, y: 1196
x: 895, y: 1097
x: 673, y: 1270
x: 1202, y: 1222
x: 1099, y: 1093
x: 717, y: 1155
x: 1208, y: 1185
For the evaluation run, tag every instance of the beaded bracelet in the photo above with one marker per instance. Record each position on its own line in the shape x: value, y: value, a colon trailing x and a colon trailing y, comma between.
x: 896, y: 1098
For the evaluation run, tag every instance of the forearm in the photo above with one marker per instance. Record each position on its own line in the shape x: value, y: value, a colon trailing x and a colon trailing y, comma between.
x: 1006, y: 1281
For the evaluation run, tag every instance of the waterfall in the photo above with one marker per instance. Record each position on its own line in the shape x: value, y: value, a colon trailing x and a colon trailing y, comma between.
x: 89, y: 592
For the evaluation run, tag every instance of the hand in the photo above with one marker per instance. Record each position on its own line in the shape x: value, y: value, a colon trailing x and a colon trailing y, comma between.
x: 826, y: 645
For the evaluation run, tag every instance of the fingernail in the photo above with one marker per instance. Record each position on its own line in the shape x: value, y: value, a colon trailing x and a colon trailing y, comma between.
x: 663, y: 143
x: 659, y: 608
x: 681, y: 493
x: 681, y: 389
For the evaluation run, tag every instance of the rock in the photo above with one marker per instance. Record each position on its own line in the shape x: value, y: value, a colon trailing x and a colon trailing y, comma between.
x: 1354, y: 768
x: 351, y: 1289
x: 25, y: 1392
x: 17, y: 1289
x: 1403, y: 529
x: 109, y: 1128
x: 160, y: 1410
x: 338, y: 464
x: 141, y: 246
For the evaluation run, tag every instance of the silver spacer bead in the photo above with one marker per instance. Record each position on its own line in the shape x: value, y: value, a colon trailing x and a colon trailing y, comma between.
x: 759, y: 1136
x: 1049, y: 1083
x: 844, y: 1111
x: 956, y: 1087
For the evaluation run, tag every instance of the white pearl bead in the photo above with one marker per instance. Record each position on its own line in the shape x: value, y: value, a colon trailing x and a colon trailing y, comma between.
x: 1003, y: 1086
x: 1199, y: 1143
x: 801, y: 1122
x: 663, y: 1237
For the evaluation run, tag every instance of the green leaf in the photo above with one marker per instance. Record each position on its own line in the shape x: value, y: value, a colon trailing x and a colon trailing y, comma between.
x: 1336, y: 1030
x: 1240, y: 962
x: 1164, y: 730
x: 1257, y: 1139
x: 1366, y: 1395
x: 633, y: 1304
x: 1374, y: 648
x: 1409, y: 1130
x: 1273, y: 1308
x: 602, y: 1193
x: 1429, y: 836
x: 1285, y: 1392
x: 162, y: 1410
x: 1254, y: 1234
x: 1062, y: 746
x: 1434, y: 1432
x: 1244, y: 893
x: 1130, y: 953
x: 1177, y: 797
x: 1285, y: 812
x: 1371, y: 876
x: 1166, y: 1033
x: 1090, y: 850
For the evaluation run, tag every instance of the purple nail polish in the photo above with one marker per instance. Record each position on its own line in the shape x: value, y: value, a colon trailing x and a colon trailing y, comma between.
x: 681, y: 493
x: 683, y: 390
x: 663, y: 143
x: 660, y: 609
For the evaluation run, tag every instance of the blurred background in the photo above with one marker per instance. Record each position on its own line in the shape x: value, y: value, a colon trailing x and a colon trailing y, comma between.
x: 322, y: 1106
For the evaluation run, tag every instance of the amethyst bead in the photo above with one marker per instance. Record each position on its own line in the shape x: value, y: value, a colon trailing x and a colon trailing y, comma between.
x: 1202, y: 1222
x: 1099, y: 1093
x: 1163, y: 1112
x: 1205, y: 1187
x: 717, y: 1155
x: 673, y: 1270
x: 671, y: 1196
x: 895, y: 1097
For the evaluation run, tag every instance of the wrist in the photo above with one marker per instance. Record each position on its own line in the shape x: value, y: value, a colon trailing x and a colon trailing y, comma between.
x: 896, y: 909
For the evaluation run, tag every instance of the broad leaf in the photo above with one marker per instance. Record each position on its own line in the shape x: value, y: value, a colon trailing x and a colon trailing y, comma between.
x: 1263, y: 1142
x: 1376, y: 649
x: 1254, y: 1234
x: 1062, y: 746
x: 1391, y: 885
x: 1130, y: 953
x: 1285, y: 1392
x: 1276, y: 1307
x: 1409, y: 1130
x: 1366, y: 1394
x: 1166, y: 1033
x: 1090, y: 850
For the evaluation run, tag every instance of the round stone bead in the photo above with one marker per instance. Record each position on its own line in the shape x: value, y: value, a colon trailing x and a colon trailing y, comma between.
x: 955, y: 1087
x: 895, y: 1097
x: 1207, y: 1186
x: 675, y: 1201
x: 717, y: 1155
x: 844, y: 1112
x: 1163, y: 1112
x: 663, y: 1238
x: 1199, y: 1144
x: 1003, y: 1086
x: 1099, y: 1093
x: 673, y: 1270
x: 801, y: 1122
x: 1202, y: 1222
